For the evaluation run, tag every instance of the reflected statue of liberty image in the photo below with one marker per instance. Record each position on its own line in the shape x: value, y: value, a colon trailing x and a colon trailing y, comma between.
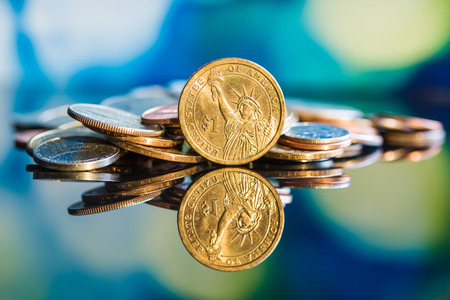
x: 246, y: 132
x: 246, y: 199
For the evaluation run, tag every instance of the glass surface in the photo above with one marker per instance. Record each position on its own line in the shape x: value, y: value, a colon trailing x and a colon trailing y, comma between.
x: 386, y: 235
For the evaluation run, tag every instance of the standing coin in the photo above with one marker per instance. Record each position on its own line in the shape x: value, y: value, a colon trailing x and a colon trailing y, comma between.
x: 76, y: 153
x: 232, y: 111
x: 111, y: 121
x: 231, y: 219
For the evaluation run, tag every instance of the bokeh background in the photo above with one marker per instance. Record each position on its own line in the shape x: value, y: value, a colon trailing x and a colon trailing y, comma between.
x: 385, y: 237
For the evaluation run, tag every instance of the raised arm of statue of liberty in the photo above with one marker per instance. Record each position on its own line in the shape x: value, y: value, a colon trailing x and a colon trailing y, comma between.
x: 215, y: 80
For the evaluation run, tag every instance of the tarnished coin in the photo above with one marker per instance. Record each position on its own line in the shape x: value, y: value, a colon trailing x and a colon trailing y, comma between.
x: 287, y: 153
x: 338, y: 182
x: 316, y: 133
x: 112, y: 120
x: 231, y: 219
x: 135, y: 105
x: 38, y: 139
x: 171, y: 154
x: 82, y: 208
x: 232, y: 111
x: 161, y: 115
x: 76, y: 153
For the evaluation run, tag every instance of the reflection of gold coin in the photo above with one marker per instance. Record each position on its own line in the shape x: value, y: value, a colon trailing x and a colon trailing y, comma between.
x: 231, y: 219
x: 232, y: 111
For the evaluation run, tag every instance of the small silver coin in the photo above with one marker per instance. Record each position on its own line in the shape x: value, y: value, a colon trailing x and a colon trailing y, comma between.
x: 46, y: 118
x: 316, y: 133
x: 76, y: 153
x: 38, y: 139
x: 112, y: 120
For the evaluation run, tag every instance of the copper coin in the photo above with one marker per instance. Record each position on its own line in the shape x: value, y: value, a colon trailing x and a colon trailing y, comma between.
x: 22, y: 138
x: 415, y: 139
x: 161, y: 115
x: 317, y: 183
x: 309, y: 146
x: 288, y: 153
x: 404, y: 123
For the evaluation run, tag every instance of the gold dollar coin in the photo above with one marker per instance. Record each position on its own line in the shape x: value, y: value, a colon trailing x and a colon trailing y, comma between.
x: 231, y: 219
x: 232, y: 111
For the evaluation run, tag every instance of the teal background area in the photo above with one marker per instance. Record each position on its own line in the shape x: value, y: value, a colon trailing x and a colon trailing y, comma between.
x: 385, y: 237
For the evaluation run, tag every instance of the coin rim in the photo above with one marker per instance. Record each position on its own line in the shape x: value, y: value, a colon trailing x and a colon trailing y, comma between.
x: 105, y: 126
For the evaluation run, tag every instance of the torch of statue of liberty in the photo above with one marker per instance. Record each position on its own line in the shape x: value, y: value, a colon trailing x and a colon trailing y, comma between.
x: 246, y: 131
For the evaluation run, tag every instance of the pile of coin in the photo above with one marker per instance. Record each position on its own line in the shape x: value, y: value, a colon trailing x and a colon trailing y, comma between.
x: 166, y: 146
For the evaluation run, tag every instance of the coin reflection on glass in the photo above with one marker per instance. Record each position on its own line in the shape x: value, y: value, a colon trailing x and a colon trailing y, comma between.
x: 338, y: 182
x: 230, y: 219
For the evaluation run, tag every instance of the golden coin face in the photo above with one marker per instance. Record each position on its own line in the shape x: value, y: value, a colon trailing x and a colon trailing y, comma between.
x: 231, y: 219
x: 232, y: 111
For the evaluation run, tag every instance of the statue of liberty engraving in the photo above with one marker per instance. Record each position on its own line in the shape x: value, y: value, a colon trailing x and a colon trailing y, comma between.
x: 246, y: 199
x: 246, y: 131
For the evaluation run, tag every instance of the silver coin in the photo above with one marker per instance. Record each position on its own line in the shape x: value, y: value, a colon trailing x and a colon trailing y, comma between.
x: 76, y: 153
x: 80, y: 131
x: 137, y: 105
x: 316, y: 133
x: 112, y: 120
x: 48, y: 118
x: 323, y: 109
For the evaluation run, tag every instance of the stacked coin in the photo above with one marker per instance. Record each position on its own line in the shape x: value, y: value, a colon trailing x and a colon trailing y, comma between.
x: 308, y: 141
x: 411, y: 132
x: 126, y: 131
x: 134, y: 187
